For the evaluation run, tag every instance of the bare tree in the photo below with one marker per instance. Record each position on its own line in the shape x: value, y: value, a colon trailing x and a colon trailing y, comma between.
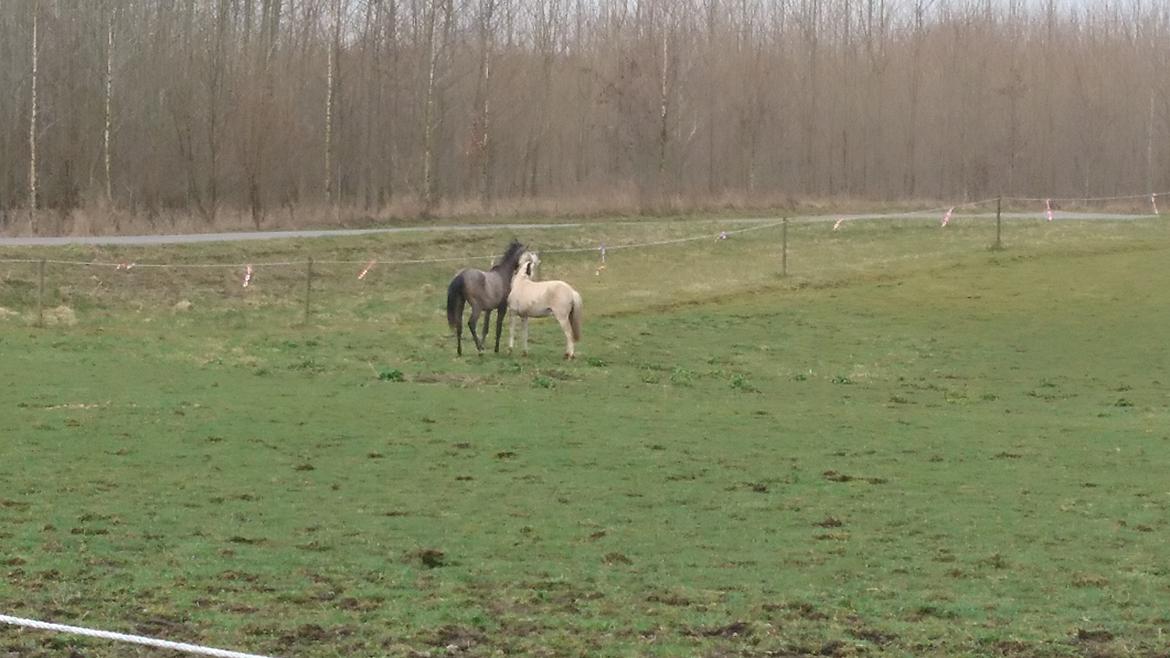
x: 334, y: 49
x: 483, y: 92
x: 109, y: 115
x: 432, y: 64
x: 32, y: 125
x: 213, y: 108
x: 665, y: 71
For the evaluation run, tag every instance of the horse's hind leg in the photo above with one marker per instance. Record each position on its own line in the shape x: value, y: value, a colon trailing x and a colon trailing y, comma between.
x: 567, y: 327
x: 487, y: 324
x: 459, y: 334
x: 471, y: 325
x: 500, y: 312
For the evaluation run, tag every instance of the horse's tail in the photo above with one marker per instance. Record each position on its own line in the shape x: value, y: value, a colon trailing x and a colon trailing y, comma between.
x: 455, y: 298
x: 575, y: 313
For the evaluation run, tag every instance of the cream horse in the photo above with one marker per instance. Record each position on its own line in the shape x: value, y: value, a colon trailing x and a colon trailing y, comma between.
x: 537, y: 299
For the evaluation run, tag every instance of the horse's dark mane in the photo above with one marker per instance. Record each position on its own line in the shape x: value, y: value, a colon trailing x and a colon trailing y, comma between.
x: 510, y: 258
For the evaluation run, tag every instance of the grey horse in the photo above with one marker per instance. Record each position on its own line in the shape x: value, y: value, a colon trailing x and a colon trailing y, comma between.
x: 485, y: 291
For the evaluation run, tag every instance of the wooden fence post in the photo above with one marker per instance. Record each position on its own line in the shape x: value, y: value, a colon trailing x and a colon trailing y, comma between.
x: 41, y: 293
x: 784, y: 252
x: 998, y: 223
x: 308, y: 287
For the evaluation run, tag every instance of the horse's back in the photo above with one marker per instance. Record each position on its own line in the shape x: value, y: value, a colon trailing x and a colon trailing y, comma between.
x: 536, y: 296
x: 485, y: 288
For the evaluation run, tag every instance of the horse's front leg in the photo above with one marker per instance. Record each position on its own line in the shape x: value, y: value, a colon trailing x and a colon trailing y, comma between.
x: 471, y: 325
x: 500, y: 313
x: 524, y: 322
x: 512, y: 332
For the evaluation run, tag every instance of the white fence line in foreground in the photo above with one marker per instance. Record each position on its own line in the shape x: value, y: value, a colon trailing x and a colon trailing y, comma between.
x: 122, y: 637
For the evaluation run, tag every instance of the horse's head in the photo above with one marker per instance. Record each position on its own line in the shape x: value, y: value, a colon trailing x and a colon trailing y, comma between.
x: 527, y: 264
x: 507, y: 262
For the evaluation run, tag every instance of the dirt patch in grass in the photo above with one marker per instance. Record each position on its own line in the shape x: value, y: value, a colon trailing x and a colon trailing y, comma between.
x: 796, y: 610
x: 455, y: 379
x: 458, y: 638
x: 880, y: 638
x: 431, y: 558
x: 734, y: 629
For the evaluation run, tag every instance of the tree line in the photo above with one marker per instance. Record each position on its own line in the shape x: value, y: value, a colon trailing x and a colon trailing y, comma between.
x: 266, y: 110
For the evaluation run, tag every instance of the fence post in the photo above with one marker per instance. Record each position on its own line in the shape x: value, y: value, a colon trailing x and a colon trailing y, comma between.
x: 998, y: 223
x: 784, y: 249
x: 308, y: 287
x: 41, y: 293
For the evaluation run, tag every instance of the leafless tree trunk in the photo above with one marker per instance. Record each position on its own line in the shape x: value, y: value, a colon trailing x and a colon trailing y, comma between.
x: 1150, y: 147
x: 811, y: 27
x: 547, y: 14
x: 371, y: 91
x: 664, y: 101
x: 260, y: 92
x: 395, y: 106
x: 432, y: 63
x: 32, y: 126
x: 710, y: 9
x: 334, y: 48
x: 917, y: 39
x: 109, y: 117
x: 483, y: 145
x: 215, y: 80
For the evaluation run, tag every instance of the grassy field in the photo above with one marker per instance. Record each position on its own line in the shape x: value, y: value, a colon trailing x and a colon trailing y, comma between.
x: 912, y: 445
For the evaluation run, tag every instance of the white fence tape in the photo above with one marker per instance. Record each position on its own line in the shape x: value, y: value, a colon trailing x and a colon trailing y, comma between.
x: 122, y: 637
x: 382, y: 261
x: 763, y: 224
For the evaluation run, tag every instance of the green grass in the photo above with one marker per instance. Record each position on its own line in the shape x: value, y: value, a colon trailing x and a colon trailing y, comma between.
x: 911, y: 446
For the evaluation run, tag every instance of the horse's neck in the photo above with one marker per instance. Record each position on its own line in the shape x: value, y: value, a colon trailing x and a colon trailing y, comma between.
x: 526, y: 288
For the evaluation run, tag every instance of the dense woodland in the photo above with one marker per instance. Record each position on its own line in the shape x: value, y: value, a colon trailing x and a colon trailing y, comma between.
x: 277, y: 112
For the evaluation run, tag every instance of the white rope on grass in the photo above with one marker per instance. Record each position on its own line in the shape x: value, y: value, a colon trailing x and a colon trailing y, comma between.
x: 122, y: 637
